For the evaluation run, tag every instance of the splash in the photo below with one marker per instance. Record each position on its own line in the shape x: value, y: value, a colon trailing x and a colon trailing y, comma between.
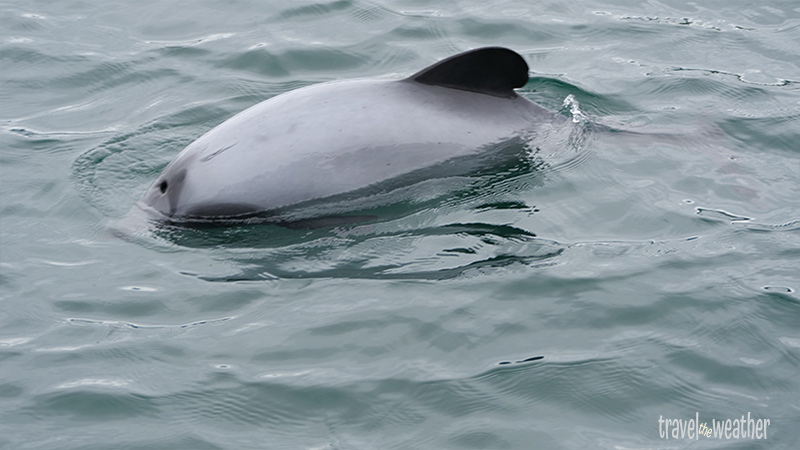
x: 574, y: 109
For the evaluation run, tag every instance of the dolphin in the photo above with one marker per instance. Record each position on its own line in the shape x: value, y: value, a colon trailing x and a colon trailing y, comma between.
x: 341, y: 137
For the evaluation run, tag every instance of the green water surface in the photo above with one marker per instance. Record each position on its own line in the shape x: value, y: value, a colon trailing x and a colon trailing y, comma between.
x: 640, y: 264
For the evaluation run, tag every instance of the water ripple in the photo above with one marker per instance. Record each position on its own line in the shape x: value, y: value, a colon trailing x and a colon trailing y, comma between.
x: 426, y: 253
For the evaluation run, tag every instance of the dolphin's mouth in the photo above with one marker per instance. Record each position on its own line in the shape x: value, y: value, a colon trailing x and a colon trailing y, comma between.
x: 223, y: 211
x: 229, y: 213
x: 163, y: 203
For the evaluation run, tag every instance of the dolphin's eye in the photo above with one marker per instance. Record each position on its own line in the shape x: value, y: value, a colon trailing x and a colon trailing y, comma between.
x: 163, y: 186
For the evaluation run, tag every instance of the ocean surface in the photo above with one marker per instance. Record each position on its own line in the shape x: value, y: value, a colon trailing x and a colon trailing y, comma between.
x: 638, y: 264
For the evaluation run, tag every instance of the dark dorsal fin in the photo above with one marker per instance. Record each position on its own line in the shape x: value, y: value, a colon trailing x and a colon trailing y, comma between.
x: 490, y: 70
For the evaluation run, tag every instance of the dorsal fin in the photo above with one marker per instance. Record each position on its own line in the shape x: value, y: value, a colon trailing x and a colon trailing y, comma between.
x: 490, y: 70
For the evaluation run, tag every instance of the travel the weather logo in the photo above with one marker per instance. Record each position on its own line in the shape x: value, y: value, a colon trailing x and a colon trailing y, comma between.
x: 741, y: 428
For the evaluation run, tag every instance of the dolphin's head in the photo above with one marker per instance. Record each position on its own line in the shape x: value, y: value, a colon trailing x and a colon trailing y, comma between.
x: 182, y: 192
x: 164, y: 195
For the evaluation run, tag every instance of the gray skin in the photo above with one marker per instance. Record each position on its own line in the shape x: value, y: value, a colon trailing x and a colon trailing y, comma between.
x: 334, y: 138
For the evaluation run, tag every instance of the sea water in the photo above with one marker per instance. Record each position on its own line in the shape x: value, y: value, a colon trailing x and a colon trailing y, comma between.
x: 630, y: 281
